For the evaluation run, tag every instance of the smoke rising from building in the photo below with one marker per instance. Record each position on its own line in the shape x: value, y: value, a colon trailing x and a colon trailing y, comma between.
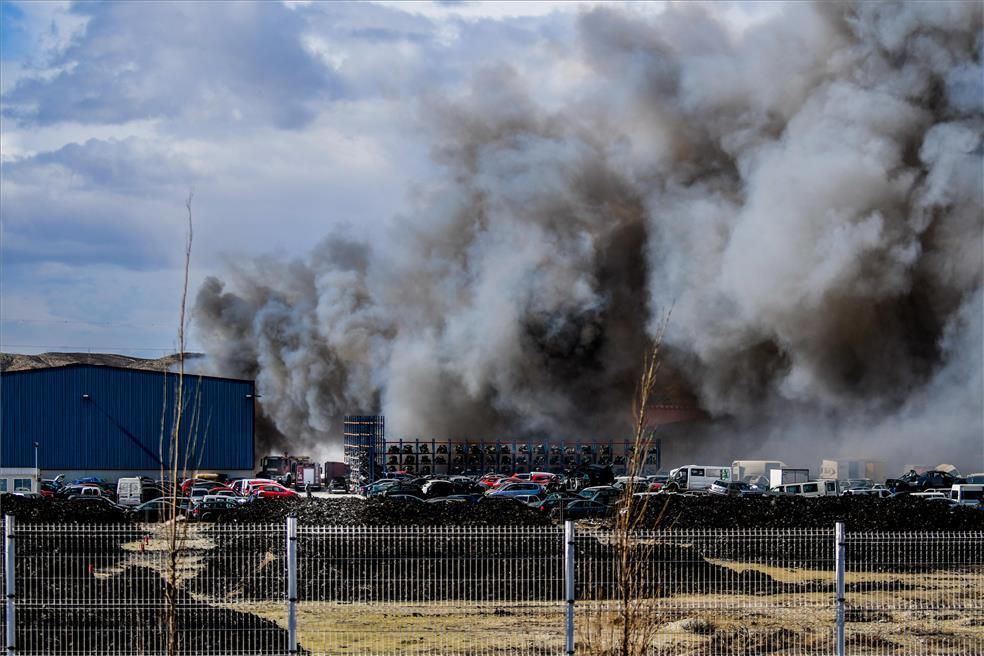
x: 806, y: 196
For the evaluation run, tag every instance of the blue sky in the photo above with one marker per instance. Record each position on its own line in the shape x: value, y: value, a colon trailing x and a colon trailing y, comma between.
x: 287, y: 120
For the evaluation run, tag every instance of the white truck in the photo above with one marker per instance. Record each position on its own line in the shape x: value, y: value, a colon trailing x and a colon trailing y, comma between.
x: 786, y: 475
x: 853, y: 469
x: 755, y: 472
x: 696, y: 477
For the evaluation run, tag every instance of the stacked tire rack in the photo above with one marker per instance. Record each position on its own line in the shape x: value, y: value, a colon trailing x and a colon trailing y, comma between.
x: 365, y: 442
x: 422, y: 456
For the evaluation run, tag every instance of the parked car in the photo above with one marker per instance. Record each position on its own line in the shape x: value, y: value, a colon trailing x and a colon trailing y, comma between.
x: 581, y: 509
x: 377, y: 487
x: 245, y: 485
x: 410, y: 498
x: 552, y: 501
x: 49, y: 489
x: 403, y: 488
x: 88, y: 490
x: 967, y: 494
x: 488, y: 481
x: 821, y: 488
x: 735, y: 489
x: 639, y: 484
x: 103, y: 503
x: 657, y: 481
x: 696, y: 477
x: 605, y: 494
x: 129, y: 491
x: 272, y: 491
x: 159, y: 510
x: 519, y: 490
x: 212, y: 506
x: 226, y: 493
x: 879, y: 492
x: 933, y: 479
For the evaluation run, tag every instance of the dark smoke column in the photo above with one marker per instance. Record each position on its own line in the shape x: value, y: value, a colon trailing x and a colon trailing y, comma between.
x: 805, y: 194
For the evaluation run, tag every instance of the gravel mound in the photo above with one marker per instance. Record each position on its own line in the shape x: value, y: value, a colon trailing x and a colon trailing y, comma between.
x: 381, y: 511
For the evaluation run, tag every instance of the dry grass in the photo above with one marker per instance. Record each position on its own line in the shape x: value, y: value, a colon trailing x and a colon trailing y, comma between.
x: 738, y: 625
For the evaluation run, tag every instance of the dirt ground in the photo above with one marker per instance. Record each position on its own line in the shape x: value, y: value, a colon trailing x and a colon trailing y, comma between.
x: 891, y: 613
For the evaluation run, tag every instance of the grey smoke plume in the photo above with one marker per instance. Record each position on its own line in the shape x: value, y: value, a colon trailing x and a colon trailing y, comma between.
x: 806, y: 195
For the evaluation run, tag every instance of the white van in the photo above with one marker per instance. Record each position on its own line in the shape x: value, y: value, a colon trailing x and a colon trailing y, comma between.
x: 696, y: 477
x: 809, y: 489
x: 967, y: 495
x: 129, y: 491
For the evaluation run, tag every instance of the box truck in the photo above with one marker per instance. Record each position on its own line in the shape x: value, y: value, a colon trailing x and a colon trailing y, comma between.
x: 784, y: 476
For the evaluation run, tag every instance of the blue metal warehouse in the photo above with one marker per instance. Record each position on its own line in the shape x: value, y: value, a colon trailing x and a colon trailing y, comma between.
x: 89, y: 418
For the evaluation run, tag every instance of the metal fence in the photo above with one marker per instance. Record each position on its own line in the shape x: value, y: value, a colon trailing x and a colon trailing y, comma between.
x: 276, y: 590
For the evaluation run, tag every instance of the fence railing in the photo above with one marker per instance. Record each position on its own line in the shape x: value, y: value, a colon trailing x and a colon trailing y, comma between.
x: 289, y: 589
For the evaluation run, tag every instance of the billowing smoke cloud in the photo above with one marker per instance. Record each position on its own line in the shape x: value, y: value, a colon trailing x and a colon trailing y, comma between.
x: 806, y: 196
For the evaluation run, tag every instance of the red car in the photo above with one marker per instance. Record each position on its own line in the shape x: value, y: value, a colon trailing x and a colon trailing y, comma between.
x: 197, y: 482
x: 510, y: 479
x: 489, y: 480
x: 273, y: 491
x: 543, y: 478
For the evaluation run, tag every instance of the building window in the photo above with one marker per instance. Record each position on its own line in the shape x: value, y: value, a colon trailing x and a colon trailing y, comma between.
x: 22, y: 484
x: 3, y: 484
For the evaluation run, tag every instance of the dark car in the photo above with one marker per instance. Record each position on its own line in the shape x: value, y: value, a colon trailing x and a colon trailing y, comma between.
x: 158, y: 510
x: 553, y: 501
x: 581, y: 509
x: 735, y: 489
x: 929, y: 480
x: 403, y: 489
x: 211, y: 507
x: 103, y: 503
x: 605, y: 494
x: 411, y: 498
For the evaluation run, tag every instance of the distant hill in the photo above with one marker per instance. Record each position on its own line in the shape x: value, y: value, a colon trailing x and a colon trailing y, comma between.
x: 18, y: 362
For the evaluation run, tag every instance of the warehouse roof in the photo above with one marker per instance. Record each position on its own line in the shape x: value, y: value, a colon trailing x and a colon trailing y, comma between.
x: 75, y: 365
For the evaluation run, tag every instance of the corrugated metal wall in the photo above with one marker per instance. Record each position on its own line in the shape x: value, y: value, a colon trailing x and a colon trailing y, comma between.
x: 119, y: 424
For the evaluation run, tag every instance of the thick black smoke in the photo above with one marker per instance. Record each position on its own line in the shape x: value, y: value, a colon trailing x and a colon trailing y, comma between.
x: 806, y: 195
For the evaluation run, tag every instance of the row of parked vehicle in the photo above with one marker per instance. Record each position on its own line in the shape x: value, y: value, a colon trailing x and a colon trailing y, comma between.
x: 929, y: 484
x: 561, y: 497
x: 198, y: 498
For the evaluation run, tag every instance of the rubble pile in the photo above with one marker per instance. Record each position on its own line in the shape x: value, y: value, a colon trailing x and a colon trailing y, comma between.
x: 58, y: 511
x: 902, y: 513
x: 381, y: 511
